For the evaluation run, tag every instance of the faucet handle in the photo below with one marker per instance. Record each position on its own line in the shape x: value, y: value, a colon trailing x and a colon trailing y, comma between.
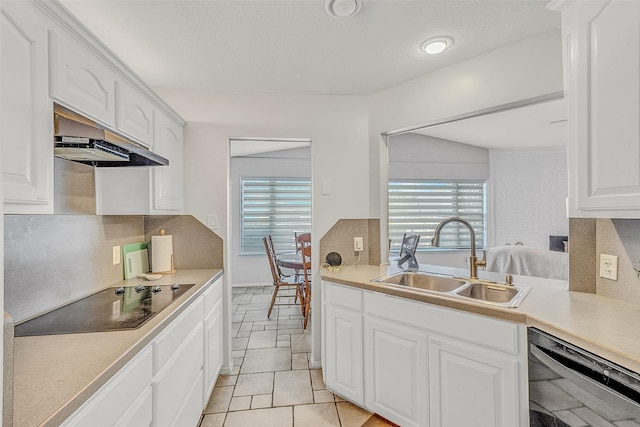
x: 508, y: 280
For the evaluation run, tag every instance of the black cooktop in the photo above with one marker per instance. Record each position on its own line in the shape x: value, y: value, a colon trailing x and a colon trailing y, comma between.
x: 113, y: 309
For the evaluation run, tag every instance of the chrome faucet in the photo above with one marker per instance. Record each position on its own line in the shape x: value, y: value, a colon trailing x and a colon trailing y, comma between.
x: 474, y: 263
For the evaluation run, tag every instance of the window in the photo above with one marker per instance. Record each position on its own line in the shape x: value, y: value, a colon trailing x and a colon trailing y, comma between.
x: 417, y: 206
x: 276, y: 206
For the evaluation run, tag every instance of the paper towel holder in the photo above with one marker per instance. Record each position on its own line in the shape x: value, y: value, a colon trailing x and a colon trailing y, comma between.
x: 172, y: 265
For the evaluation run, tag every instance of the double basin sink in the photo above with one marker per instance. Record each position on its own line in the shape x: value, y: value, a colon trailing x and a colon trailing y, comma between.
x: 470, y: 289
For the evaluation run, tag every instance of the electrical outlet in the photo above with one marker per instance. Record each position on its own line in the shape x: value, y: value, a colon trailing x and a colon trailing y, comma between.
x: 609, y: 266
x: 358, y: 244
x: 116, y: 255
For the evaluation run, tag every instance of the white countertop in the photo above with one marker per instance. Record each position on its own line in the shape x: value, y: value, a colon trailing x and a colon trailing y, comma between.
x: 55, y: 374
x: 604, y: 326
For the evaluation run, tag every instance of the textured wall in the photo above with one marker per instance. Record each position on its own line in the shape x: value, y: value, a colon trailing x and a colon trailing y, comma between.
x: 340, y: 239
x: 582, y: 255
x: 194, y: 245
x: 52, y: 259
x: 528, y: 188
x: 619, y: 237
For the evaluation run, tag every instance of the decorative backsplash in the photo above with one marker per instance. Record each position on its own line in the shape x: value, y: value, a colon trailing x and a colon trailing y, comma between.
x: 53, y: 259
x: 340, y: 239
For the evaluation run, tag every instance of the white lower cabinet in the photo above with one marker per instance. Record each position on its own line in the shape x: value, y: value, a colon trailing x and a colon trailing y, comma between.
x: 344, y: 345
x: 170, y: 381
x: 420, y: 364
x: 471, y: 386
x: 121, y: 392
x: 396, y: 375
x: 174, y: 384
x: 213, y: 338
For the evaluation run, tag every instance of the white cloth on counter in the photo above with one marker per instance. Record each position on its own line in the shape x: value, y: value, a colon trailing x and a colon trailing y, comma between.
x: 526, y: 261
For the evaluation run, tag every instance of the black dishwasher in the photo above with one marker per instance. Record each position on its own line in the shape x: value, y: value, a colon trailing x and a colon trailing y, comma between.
x: 569, y: 386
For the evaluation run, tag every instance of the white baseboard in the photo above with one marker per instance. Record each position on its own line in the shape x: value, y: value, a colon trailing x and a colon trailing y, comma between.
x: 244, y: 285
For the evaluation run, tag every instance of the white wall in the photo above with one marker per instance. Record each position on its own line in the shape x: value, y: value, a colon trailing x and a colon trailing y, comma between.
x: 530, y: 68
x: 415, y: 156
x: 528, y: 189
x: 336, y: 125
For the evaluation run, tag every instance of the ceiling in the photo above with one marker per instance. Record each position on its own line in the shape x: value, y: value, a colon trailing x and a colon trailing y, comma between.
x: 537, y: 125
x: 294, y: 46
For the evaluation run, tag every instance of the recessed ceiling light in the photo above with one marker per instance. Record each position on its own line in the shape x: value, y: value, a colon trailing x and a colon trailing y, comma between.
x: 436, y: 45
x: 342, y: 8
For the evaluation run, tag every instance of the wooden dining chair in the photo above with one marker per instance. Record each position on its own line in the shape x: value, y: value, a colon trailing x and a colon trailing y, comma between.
x: 281, y: 281
x: 272, y: 250
x: 302, y: 239
x: 306, y: 288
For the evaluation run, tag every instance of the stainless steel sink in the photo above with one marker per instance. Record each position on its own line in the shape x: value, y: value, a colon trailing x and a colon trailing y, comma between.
x: 460, y: 288
x: 504, y: 295
x: 421, y: 280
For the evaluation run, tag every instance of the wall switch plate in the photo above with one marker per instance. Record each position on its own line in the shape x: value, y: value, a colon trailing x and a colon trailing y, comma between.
x: 116, y: 255
x: 609, y: 266
x: 212, y: 221
x: 358, y: 244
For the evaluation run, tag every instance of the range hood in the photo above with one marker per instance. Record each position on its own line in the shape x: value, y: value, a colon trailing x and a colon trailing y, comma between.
x: 81, y: 140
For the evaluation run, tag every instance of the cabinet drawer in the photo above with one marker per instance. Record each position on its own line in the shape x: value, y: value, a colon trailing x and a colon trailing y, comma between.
x: 488, y: 332
x: 344, y: 296
x: 118, y: 393
x: 189, y: 414
x: 174, y: 383
x: 169, y: 341
x: 212, y: 295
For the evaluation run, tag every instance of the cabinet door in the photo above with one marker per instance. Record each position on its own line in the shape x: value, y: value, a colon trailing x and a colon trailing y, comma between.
x: 25, y: 111
x: 174, y: 385
x: 123, y: 392
x: 168, y: 180
x: 603, y: 89
x: 80, y: 80
x: 213, y: 348
x: 471, y: 386
x: 396, y: 371
x: 134, y: 114
x: 343, y: 363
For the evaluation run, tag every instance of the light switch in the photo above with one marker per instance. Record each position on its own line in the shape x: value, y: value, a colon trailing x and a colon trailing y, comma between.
x: 326, y: 186
x: 212, y: 221
x: 116, y: 255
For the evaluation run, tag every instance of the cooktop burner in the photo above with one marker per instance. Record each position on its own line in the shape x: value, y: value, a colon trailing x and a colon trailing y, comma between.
x: 112, y: 309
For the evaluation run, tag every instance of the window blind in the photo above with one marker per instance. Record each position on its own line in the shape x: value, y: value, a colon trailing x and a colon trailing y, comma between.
x: 417, y: 206
x: 278, y: 207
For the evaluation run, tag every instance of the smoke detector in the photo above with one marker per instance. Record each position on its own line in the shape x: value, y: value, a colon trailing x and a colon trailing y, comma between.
x: 342, y: 9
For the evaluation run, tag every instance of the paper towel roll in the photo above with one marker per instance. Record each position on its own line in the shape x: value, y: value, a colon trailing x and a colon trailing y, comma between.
x: 162, y: 253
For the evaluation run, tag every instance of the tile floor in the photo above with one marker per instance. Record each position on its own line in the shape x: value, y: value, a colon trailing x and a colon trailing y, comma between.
x: 271, y: 383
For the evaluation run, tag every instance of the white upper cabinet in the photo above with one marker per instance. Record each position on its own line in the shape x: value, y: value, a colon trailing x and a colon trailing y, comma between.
x: 134, y: 114
x: 146, y: 190
x: 168, y: 180
x: 25, y: 111
x: 81, y: 80
x: 46, y: 55
x: 602, y: 80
